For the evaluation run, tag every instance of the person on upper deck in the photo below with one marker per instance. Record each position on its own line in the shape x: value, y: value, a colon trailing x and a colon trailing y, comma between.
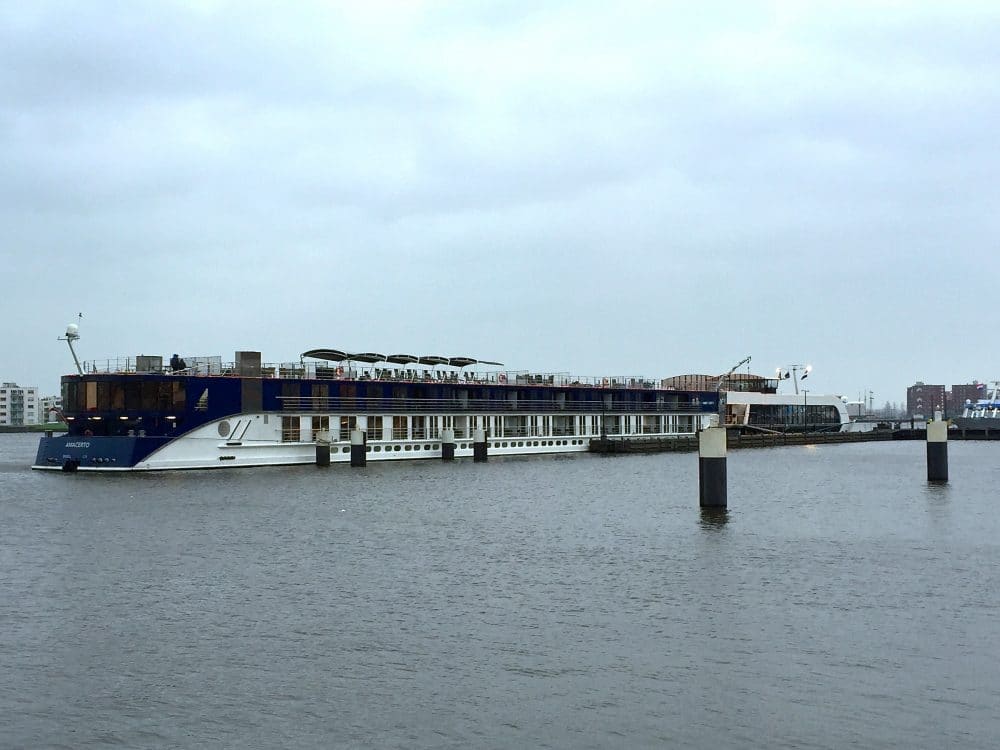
x: 177, y: 364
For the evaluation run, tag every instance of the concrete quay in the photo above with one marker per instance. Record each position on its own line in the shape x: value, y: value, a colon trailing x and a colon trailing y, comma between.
x: 734, y: 440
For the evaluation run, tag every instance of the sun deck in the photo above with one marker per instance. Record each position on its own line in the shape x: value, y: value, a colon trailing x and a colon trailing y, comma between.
x: 215, y: 367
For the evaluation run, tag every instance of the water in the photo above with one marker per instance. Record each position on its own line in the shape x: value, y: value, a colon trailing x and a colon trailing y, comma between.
x: 576, y: 602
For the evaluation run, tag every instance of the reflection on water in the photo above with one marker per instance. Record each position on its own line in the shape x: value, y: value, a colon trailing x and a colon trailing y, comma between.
x: 940, y: 491
x: 713, y: 518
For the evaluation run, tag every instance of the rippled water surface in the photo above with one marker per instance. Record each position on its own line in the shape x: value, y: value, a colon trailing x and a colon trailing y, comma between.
x: 578, y: 602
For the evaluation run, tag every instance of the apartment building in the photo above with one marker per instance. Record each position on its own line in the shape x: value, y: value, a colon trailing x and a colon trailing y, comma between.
x: 18, y: 405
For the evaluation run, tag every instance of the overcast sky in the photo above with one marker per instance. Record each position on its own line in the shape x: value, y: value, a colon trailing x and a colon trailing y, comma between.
x: 601, y: 188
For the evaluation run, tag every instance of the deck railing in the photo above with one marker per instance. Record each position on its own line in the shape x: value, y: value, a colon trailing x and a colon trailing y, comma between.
x: 214, y: 367
x: 360, y: 405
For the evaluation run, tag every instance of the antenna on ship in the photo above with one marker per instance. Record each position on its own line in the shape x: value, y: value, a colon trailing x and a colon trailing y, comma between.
x: 792, y: 371
x: 73, y: 334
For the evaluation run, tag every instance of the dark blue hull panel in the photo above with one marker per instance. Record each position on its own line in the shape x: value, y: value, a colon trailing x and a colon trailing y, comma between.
x: 73, y: 451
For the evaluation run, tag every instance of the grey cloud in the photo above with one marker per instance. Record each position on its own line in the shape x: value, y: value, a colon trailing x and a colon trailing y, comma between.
x: 582, y: 186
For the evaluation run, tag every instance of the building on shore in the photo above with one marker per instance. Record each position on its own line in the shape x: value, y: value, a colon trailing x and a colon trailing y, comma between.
x: 959, y: 394
x: 18, y: 405
x: 923, y: 399
x: 49, y: 409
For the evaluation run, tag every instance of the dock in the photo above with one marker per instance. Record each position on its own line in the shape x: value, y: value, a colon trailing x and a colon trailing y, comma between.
x: 736, y: 439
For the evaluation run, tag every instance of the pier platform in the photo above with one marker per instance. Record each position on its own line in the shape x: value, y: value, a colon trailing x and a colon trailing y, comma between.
x: 735, y: 439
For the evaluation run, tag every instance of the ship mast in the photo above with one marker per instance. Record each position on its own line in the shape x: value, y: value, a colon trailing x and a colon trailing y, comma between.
x: 73, y: 334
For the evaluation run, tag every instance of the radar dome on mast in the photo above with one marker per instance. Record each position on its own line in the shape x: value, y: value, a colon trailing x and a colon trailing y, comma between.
x: 73, y: 334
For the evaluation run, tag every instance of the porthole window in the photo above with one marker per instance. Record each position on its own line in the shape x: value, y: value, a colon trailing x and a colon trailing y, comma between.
x: 224, y: 428
x: 395, y: 447
x: 345, y: 449
x: 408, y: 447
x: 368, y: 449
x: 378, y: 449
x: 435, y: 446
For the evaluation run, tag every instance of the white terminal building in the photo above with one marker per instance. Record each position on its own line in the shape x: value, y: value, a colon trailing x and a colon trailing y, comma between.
x: 49, y: 408
x: 18, y: 405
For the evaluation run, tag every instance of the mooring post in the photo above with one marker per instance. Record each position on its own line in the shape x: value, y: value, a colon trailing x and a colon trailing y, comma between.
x: 447, y: 445
x: 479, y: 452
x: 937, y: 449
x: 712, y: 491
x: 359, y: 445
x: 323, y: 448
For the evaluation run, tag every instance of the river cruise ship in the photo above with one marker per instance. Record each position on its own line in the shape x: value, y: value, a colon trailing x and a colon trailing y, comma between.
x: 983, y: 413
x: 137, y: 414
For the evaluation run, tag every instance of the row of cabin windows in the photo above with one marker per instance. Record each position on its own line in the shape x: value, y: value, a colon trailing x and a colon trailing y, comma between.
x: 401, y: 427
x: 138, y: 395
x: 793, y: 414
x: 294, y: 396
x: 353, y: 390
x: 170, y: 395
x: 463, y: 446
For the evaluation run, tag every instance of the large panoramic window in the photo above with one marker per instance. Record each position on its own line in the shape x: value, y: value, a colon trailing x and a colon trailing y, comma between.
x: 149, y: 393
x: 133, y: 394
x: 290, y: 430
x: 165, y: 395
x: 348, y: 396
x: 290, y: 396
x: 320, y: 424
x: 320, y: 398
x: 70, y: 397
x: 346, y: 425
x: 103, y: 396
